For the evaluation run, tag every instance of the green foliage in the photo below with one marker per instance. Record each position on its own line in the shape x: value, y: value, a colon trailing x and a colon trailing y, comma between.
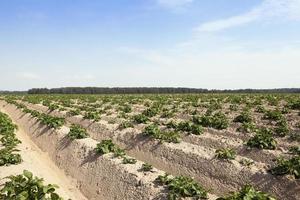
x: 151, y: 112
x: 27, y: 187
x: 244, y: 117
x: 217, y: 120
x: 9, y: 141
x: 248, y: 193
x: 274, y: 115
x: 262, y: 140
x: 246, y: 162
x: 140, y: 119
x: 107, y: 146
x: 282, y: 128
x: 295, y: 105
x: 74, y: 112
x: 181, y: 187
x: 189, y: 127
x: 77, y: 132
x: 52, y: 122
x: 233, y: 107
x: 8, y: 157
x: 294, y: 150
x: 294, y: 136
x: 260, y: 109
x: 287, y: 166
x: 166, y: 136
x: 171, y: 124
x: 129, y: 160
x: 247, y: 127
x: 53, y: 107
x: 92, y: 116
x: 126, y: 124
x: 226, y: 154
x: 126, y: 109
x: 146, y: 167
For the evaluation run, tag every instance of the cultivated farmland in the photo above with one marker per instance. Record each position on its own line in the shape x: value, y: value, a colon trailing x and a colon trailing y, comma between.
x: 180, y: 146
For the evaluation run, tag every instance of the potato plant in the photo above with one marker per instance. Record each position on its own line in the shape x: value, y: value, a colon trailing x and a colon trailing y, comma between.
x: 226, y: 154
x: 77, y: 132
x: 262, y: 140
x: 8, y: 155
x: 127, y: 160
x: 27, y: 187
x: 52, y: 122
x: 164, y: 136
x: 146, y: 167
x: 287, y: 166
x: 180, y: 187
x: 217, y: 120
x: 107, y: 146
x: 248, y: 193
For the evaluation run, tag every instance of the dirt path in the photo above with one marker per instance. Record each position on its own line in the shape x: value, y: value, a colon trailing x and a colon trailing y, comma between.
x: 40, y: 165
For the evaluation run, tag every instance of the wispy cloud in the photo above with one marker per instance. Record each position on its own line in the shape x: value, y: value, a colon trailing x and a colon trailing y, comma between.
x: 151, y: 56
x: 268, y: 9
x: 174, y: 4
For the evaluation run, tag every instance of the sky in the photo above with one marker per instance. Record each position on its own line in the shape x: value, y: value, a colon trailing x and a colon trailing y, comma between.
x: 216, y: 44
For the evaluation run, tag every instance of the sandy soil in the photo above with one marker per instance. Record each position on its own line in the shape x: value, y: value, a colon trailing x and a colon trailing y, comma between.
x: 40, y: 165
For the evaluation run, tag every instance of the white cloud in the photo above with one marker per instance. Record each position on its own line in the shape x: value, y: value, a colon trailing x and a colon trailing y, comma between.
x: 28, y: 76
x: 173, y: 3
x: 268, y: 9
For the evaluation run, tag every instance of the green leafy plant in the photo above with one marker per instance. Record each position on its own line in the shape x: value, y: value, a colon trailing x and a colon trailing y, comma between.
x: 126, y: 124
x: 8, y: 157
x: 248, y: 193
x: 181, y: 187
x: 9, y: 141
x: 52, y: 122
x: 77, y: 132
x: 295, y: 104
x: 260, y: 109
x: 244, y: 117
x: 247, y: 127
x: 129, y: 160
x: 217, y: 120
x: 27, y: 187
x: 146, y: 167
x: 246, y: 162
x: 126, y: 109
x: 287, y: 166
x: 262, y: 140
x: 74, y: 112
x: 274, y: 115
x: 166, y: 136
x: 189, y: 127
x: 294, y: 150
x: 107, y: 146
x: 140, y: 119
x: 53, y: 107
x: 282, y: 128
x: 226, y: 154
x: 294, y: 136
x: 92, y: 116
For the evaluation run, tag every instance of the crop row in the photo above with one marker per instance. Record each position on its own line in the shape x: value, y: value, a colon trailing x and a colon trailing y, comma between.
x: 77, y: 132
x: 9, y: 141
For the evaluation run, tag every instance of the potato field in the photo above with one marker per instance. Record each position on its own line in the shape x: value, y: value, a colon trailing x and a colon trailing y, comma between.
x: 166, y: 146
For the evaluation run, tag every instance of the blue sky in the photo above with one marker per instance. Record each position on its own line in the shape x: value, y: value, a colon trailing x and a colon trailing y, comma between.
x: 187, y: 43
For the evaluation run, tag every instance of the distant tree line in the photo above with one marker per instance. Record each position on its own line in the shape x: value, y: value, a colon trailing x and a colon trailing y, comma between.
x: 148, y: 90
x: 13, y: 92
